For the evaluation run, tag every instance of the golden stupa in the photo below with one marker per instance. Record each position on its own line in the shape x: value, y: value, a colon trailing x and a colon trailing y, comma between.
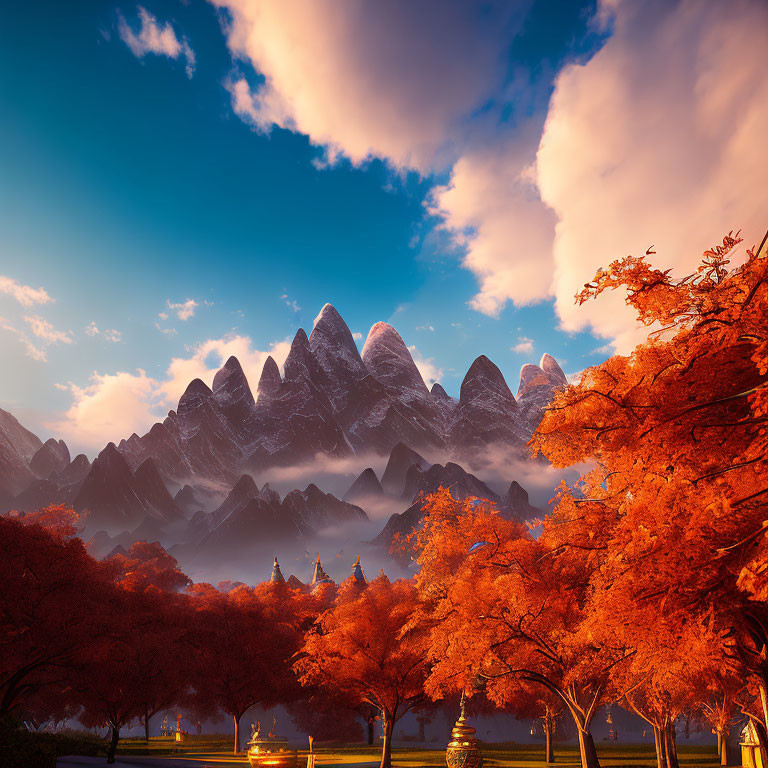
x: 462, y: 749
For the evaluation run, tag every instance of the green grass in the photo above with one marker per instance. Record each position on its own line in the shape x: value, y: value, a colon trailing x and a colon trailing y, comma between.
x: 216, y: 749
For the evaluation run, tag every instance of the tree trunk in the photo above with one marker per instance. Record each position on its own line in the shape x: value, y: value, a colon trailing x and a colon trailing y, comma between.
x: 386, y: 750
x: 719, y: 742
x: 236, y: 718
x: 669, y: 746
x: 762, y: 740
x: 661, y: 755
x: 549, y: 753
x: 587, y: 749
x: 146, y: 725
x: 112, y: 749
x: 371, y: 724
x: 723, y: 739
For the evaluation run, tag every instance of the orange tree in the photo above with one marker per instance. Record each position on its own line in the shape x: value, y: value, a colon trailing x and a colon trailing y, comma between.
x: 510, y: 610
x: 360, y: 648
x: 677, y: 435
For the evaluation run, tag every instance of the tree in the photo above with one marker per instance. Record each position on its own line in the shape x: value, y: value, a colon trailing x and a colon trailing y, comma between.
x: 676, y: 432
x: 110, y: 683
x: 505, y: 607
x: 147, y: 569
x: 242, y: 651
x: 363, y: 648
x: 52, y: 607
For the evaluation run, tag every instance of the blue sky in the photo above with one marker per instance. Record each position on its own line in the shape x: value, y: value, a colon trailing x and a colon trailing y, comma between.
x: 133, y: 179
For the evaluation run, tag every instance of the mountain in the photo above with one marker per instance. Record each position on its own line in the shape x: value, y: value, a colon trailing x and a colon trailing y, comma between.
x: 253, y: 519
x: 330, y: 399
x: 514, y: 505
x: 461, y: 483
x: 401, y: 458
x: 538, y: 384
x: 115, y: 497
x: 17, y: 448
x: 487, y: 412
x: 52, y: 456
x: 366, y: 486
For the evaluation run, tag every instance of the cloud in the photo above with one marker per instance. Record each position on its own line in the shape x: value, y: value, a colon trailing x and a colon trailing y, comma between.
x: 108, y: 334
x: 43, y: 332
x: 425, y: 328
x: 492, y: 208
x: 370, y: 79
x: 24, y: 294
x: 357, y: 336
x: 292, y: 304
x: 655, y: 141
x: 210, y: 355
x: 114, y: 405
x: 523, y: 346
x: 429, y: 371
x: 156, y: 37
x: 110, y: 407
x: 184, y: 310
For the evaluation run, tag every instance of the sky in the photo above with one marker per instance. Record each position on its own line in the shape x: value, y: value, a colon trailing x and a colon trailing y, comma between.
x: 181, y: 181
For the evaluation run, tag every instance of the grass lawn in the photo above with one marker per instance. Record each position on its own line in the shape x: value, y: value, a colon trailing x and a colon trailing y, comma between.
x: 214, y: 751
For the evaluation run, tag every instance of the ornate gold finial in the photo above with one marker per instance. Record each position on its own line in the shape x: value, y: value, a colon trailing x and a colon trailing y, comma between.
x: 462, y: 750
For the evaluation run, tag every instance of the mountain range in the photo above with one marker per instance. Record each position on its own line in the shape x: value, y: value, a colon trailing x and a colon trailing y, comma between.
x: 190, y: 476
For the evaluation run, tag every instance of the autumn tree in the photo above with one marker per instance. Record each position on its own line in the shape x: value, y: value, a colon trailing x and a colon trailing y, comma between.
x: 360, y: 648
x: 242, y: 650
x: 505, y: 607
x: 52, y: 607
x: 677, y: 436
x: 146, y: 569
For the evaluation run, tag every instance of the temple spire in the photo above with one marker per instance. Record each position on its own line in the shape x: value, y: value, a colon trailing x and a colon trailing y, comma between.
x: 277, y: 575
x: 319, y: 576
x: 357, y: 572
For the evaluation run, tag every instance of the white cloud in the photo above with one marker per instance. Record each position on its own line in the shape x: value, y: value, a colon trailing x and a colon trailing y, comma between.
x: 494, y: 212
x: 524, y: 345
x: 357, y: 336
x: 656, y: 140
x: 425, y: 328
x: 166, y: 331
x: 26, y: 295
x: 114, y: 405
x: 429, y: 371
x: 43, y: 332
x: 291, y: 303
x: 365, y: 79
x: 108, y: 334
x: 110, y: 407
x: 184, y: 310
x: 210, y: 355
x: 163, y: 315
x: 156, y: 37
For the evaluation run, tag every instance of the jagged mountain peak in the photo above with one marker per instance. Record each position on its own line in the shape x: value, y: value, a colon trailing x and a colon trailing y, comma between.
x: 330, y: 333
x: 532, y: 376
x: 484, y: 380
x: 269, y: 383
x: 389, y: 360
x: 550, y: 366
x: 196, y: 387
x: 230, y: 384
x: 52, y: 456
x: 401, y: 458
x: 365, y: 486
